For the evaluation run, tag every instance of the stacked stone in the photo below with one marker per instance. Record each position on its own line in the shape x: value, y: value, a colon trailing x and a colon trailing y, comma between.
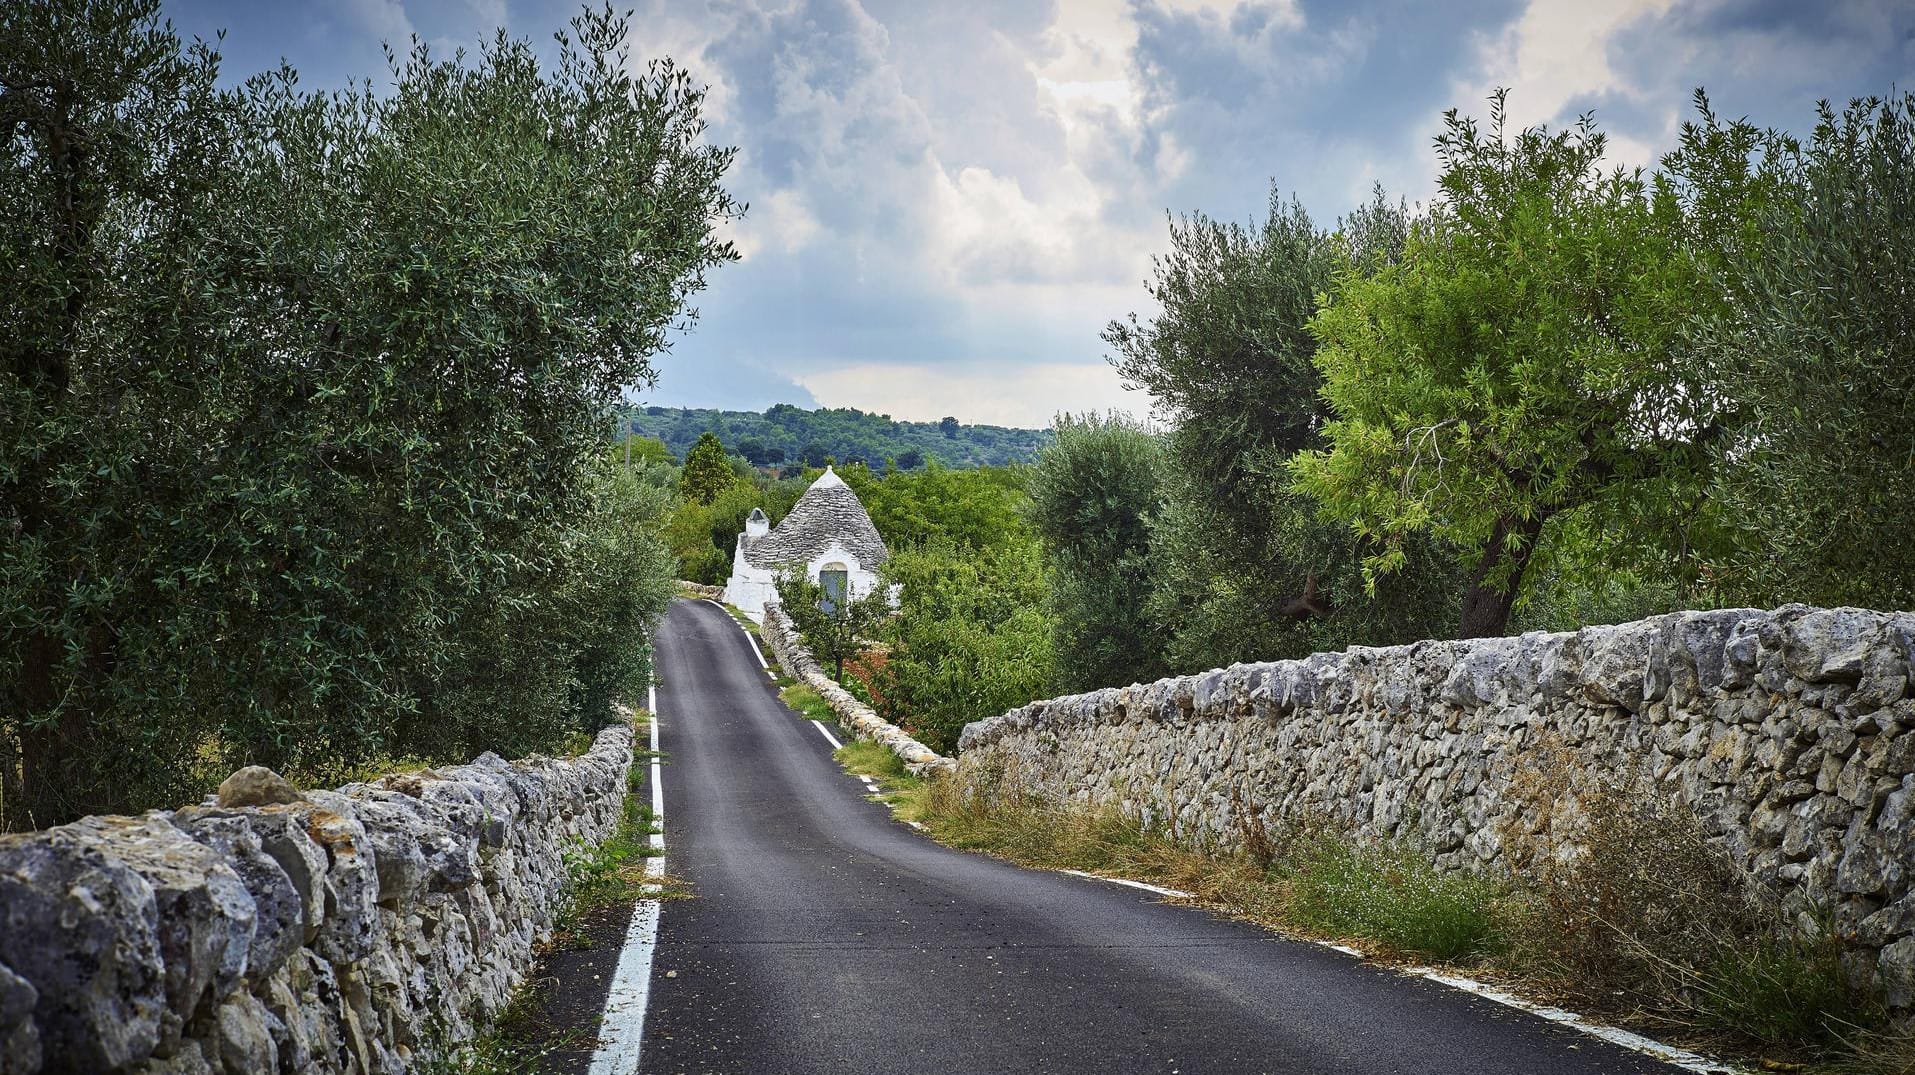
x: 267, y: 931
x: 699, y: 589
x: 858, y: 718
x: 1790, y: 734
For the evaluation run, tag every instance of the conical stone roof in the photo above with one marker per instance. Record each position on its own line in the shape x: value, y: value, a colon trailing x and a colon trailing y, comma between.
x: 828, y: 512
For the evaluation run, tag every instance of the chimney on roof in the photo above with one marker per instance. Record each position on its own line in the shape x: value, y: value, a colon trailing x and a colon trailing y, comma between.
x: 756, y: 525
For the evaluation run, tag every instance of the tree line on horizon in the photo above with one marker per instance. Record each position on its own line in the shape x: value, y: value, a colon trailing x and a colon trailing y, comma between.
x: 788, y: 438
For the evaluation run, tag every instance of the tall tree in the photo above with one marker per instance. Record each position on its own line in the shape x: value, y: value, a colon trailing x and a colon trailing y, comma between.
x: 1817, y: 350
x: 1521, y: 365
x: 707, y: 471
x: 1243, y: 567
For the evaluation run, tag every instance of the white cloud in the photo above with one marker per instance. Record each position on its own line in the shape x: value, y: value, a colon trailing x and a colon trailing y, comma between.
x: 1558, y: 52
x: 384, y: 19
x: 1026, y: 395
x: 489, y: 14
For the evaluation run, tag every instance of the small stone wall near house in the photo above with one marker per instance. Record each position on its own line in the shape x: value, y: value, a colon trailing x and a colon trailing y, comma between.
x: 1791, y: 735
x: 347, y: 931
x: 859, y: 719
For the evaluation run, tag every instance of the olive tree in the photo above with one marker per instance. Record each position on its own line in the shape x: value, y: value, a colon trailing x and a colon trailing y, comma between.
x: 1519, y: 371
x: 1094, y: 491
x: 303, y: 397
x: 1242, y: 566
x: 1816, y: 351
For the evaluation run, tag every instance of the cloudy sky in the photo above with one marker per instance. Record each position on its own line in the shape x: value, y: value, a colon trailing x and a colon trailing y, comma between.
x: 950, y: 199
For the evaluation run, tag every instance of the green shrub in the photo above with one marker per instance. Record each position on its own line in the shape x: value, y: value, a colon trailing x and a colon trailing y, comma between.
x: 1392, y: 895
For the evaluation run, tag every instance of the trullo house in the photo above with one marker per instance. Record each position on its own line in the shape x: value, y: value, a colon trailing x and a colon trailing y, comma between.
x: 828, y: 535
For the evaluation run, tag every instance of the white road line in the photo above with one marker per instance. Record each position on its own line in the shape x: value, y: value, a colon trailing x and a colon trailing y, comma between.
x: 749, y: 637
x: 1131, y: 884
x: 1668, y: 1054
x: 622, y: 1031
x: 826, y: 732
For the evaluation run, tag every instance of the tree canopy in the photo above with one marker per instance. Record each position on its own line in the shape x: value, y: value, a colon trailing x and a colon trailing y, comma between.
x: 1522, y: 362
x: 706, y: 473
x: 1815, y: 350
x: 303, y: 399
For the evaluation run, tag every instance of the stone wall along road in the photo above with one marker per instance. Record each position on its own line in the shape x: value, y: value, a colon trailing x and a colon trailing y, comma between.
x: 1791, y: 735
x: 338, y: 931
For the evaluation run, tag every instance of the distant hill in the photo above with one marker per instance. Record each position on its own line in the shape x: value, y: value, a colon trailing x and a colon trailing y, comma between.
x: 791, y: 435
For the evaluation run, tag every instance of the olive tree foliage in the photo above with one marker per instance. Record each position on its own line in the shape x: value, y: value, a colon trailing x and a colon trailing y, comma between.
x: 1816, y: 348
x: 1520, y: 374
x: 1243, y: 567
x: 1094, y: 491
x: 303, y: 399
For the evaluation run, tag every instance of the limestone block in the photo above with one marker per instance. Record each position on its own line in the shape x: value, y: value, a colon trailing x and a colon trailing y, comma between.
x: 400, y: 833
x: 82, y: 928
x: 1616, y: 664
x: 350, y: 884
x: 1830, y: 645
x: 245, y: 1036
x: 279, y: 913
x: 204, y: 915
x: 256, y: 785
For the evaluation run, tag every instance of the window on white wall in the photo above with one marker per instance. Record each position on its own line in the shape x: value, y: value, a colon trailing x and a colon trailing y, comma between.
x: 835, y: 579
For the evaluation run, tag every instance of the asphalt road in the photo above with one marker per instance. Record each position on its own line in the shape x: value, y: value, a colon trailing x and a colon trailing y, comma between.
x: 823, y: 936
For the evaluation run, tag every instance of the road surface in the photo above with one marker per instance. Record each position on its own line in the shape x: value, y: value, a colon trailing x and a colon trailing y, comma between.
x: 825, y: 937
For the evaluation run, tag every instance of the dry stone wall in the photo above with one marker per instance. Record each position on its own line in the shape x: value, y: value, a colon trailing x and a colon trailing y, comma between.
x: 859, y: 719
x: 348, y: 931
x: 1791, y: 734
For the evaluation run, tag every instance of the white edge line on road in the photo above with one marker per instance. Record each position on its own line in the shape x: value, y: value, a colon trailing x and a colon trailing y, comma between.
x: 622, y: 1031
x: 1668, y: 1054
x: 749, y: 637
x: 1131, y: 884
x: 826, y: 732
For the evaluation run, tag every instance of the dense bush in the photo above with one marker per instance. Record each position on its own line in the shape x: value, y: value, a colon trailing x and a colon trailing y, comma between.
x: 303, y: 400
x: 972, y: 638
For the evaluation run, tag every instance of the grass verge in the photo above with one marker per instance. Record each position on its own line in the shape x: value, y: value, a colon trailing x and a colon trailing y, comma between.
x: 750, y: 625
x: 517, y: 1043
x: 809, y: 703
